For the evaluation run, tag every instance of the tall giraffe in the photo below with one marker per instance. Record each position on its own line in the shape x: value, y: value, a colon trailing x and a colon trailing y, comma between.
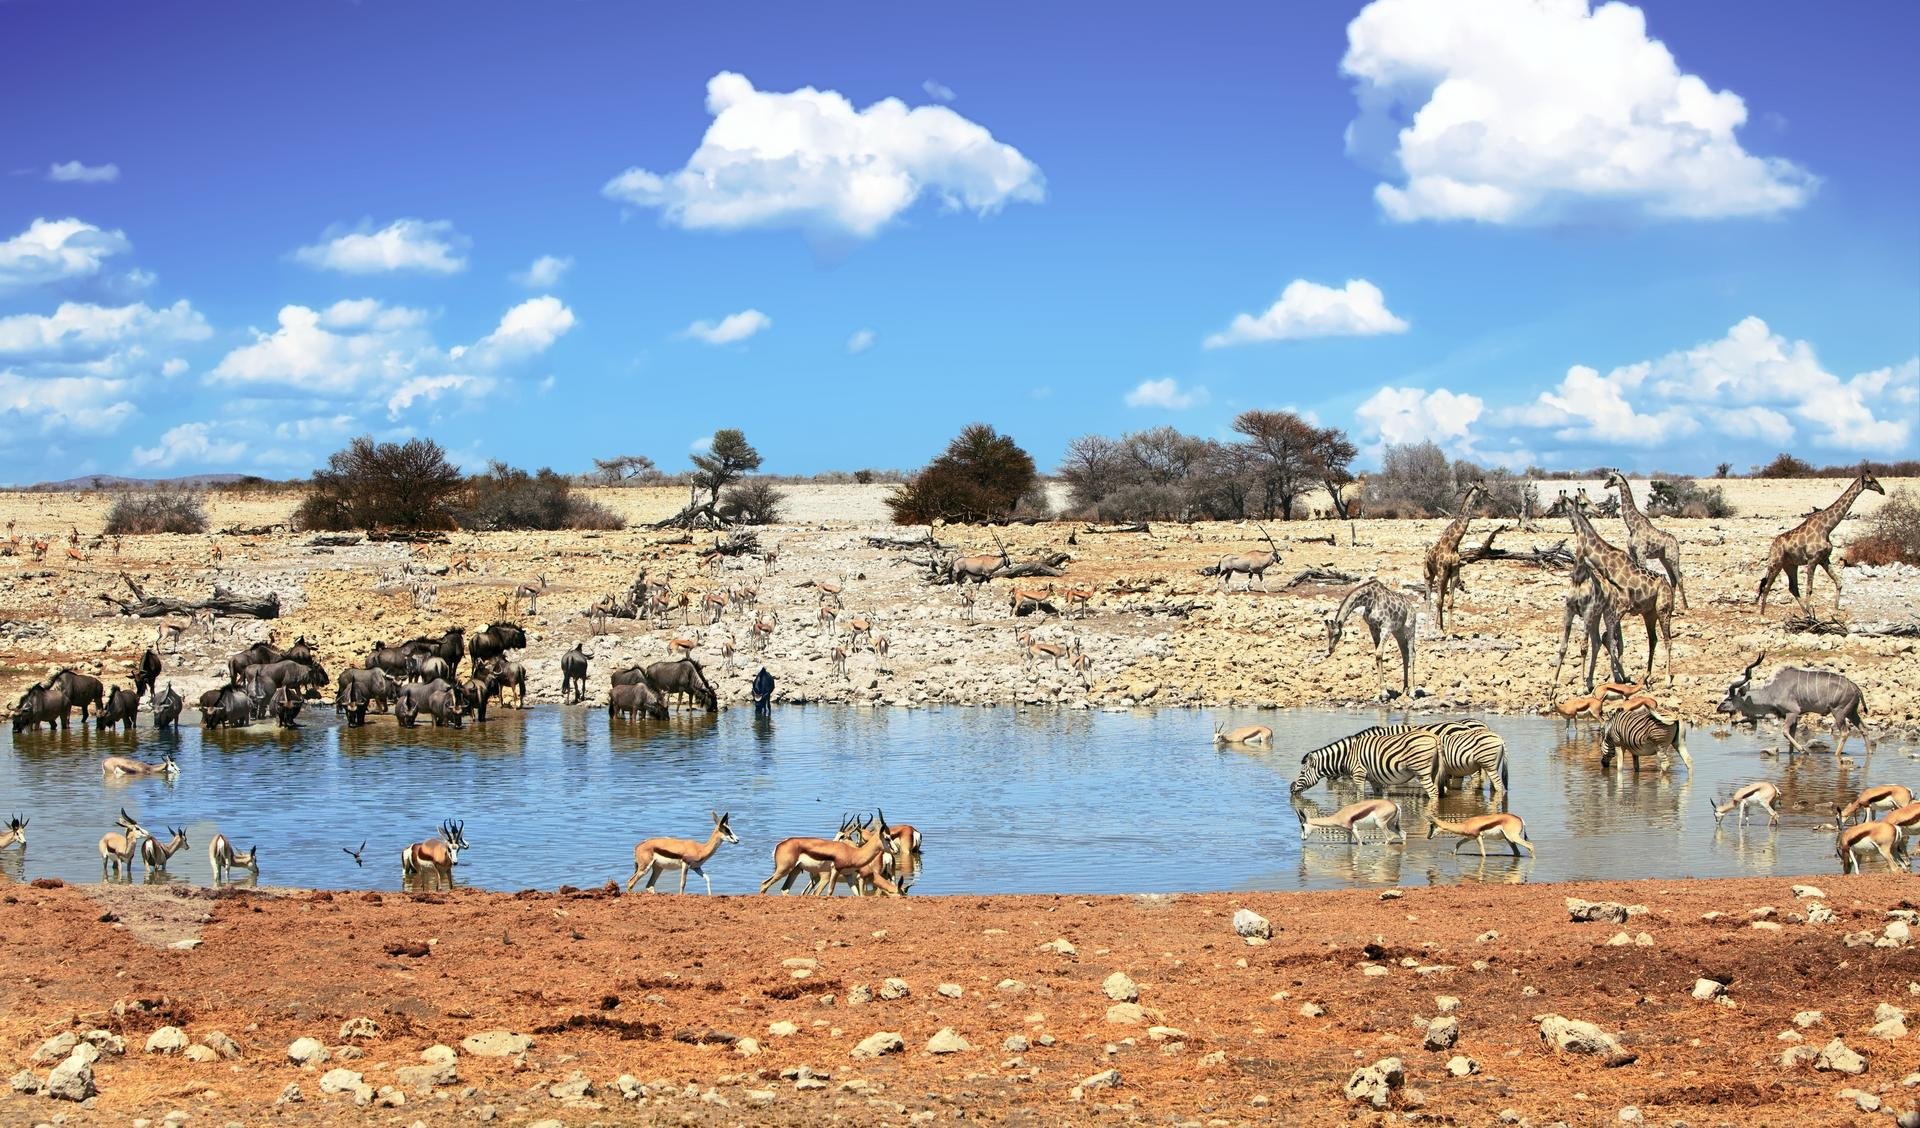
x: 1626, y: 586
x: 1443, y: 559
x: 1810, y: 544
x: 1645, y: 540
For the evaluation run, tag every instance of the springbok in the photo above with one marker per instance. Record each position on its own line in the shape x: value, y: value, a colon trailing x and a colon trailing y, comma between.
x: 1508, y: 827
x: 155, y: 854
x: 1019, y: 595
x: 828, y: 613
x: 224, y: 858
x: 762, y: 630
x: 726, y: 652
x: 768, y: 558
x: 1381, y: 813
x: 657, y: 854
x: 169, y: 632
x: 1080, y: 664
x: 435, y: 857
x: 826, y: 856
x: 859, y: 627
x: 14, y: 834
x: 1763, y: 795
x: 1885, y: 797
x: 118, y: 847
x: 1905, y: 820
x: 969, y: 597
x: 880, y: 643
x: 839, y: 659
x: 531, y: 593
x: 830, y: 590
x: 715, y: 604
x: 125, y: 766
x: 1875, y: 837
x: 1077, y: 597
x: 1254, y: 564
x: 1245, y: 734
x: 680, y: 647
x: 1033, y: 651
x: 1572, y: 707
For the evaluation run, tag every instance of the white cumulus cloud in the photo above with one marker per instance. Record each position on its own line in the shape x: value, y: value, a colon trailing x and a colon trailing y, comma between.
x: 861, y: 341
x: 193, y: 443
x: 1415, y: 415
x: 1527, y: 111
x: 64, y: 405
x: 80, y: 330
x: 430, y: 247
x: 1166, y: 393
x: 1308, y: 309
x: 1588, y: 406
x: 527, y: 329
x: 74, y: 172
x: 55, y: 250
x: 938, y: 90
x: 545, y: 272
x: 808, y: 159
x: 731, y: 328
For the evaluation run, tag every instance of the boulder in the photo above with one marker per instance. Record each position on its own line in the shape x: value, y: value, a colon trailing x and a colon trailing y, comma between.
x: 874, y: 1045
x: 1374, y: 1084
x: 496, y: 1043
x: 1835, y: 1057
x: 167, y: 1040
x: 947, y: 1042
x: 1120, y: 988
x: 72, y: 1079
x: 1252, y: 925
x: 307, y: 1051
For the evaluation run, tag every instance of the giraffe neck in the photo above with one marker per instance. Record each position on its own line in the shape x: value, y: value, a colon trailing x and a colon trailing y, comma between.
x: 1825, y: 520
x: 1629, y: 510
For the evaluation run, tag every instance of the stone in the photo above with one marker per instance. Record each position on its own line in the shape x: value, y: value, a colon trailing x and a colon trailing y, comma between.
x: 1166, y: 1034
x: 1793, y: 1057
x: 949, y: 991
x: 496, y: 1043
x: 1446, y: 1004
x: 1061, y: 946
x: 55, y: 1048
x: 1017, y: 1044
x: 360, y: 1027
x: 891, y: 989
x: 782, y: 1029
x: 1583, y: 911
x: 201, y: 1054
x: 1442, y: 1033
x: 25, y: 1081
x: 1120, y: 988
x: 72, y: 1079
x: 1630, y: 1115
x: 629, y: 1086
x: 1105, y: 1079
x: 1461, y: 1066
x: 1863, y: 1100
x: 1898, y: 931
x: 307, y: 1051
x: 747, y: 1047
x: 1806, y: 1018
x: 439, y: 1055
x: 874, y: 1045
x: 106, y: 1041
x: 1707, y: 990
x: 422, y: 1078
x: 1835, y: 1057
x: 1820, y: 914
x: 1252, y: 925
x: 1889, y: 1029
x: 1809, y: 891
x: 389, y: 1097
x: 221, y: 1044
x: 947, y: 1042
x: 1312, y: 1010
x: 289, y: 1095
x: 1374, y: 1084
x: 575, y: 1088
x: 1576, y: 1036
x: 339, y: 1080
x: 167, y: 1040
x: 1126, y: 1014
x: 860, y: 994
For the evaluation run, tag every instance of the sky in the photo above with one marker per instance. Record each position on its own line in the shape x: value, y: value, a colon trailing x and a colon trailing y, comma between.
x: 234, y: 235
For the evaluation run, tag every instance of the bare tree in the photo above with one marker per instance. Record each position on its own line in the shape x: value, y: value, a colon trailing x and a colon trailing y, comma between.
x: 625, y: 468
x: 1289, y: 455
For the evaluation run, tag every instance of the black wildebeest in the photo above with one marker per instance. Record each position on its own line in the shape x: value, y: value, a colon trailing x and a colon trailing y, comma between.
x: 573, y: 674
x: 373, y: 685
x: 166, y: 709
x: 448, y: 647
x: 390, y: 660
x: 437, y: 699
x: 228, y: 706
x: 286, y: 707
x: 40, y: 705
x: 146, y: 675
x: 301, y: 652
x: 684, y: 676
x: 428, y: 667
x: 82, y: 692
x: 496, y: 640
x: 122, y: 707
x: 630, y: 701
x: 259, y: 654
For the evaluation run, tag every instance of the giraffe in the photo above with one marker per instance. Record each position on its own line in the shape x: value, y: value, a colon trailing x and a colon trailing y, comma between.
x: 1810, y: 544
x: 1626, y: 586
x: 1646, y: 541
x: 1443, y: 559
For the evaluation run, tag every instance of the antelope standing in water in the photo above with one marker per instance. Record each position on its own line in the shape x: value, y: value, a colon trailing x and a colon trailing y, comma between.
x: 117, y: 848
x: 1867, y: 838
x: 1885, y: 797
x: 1383, y: 814
x: 155, y: 854
x: 1762, y: 795
x: 435, y: 857
x: 224, y: 858
x: 1509, y: 828
x: 657, y: 854
x: 826, y: 856
x: 124, y: 766
x: 1245, y: 734
x: 14, y: 834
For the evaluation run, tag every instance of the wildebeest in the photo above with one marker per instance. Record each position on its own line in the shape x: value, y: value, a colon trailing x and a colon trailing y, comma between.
x: 166, y: 709
x: 1793, y: 692
x: 573, y: 674
x: 40, y: 705
x: 122, y: 707
x: 437, y: 699
x: 629, y: 701
x: 303, y: 678
x: 286, y: 706
x: 229, y: 705
x: 354, y: 699
x: 146, y: 675
x: 391, y: 660
x: 82, y: 692
x: 259, y: 654
x: 373, y: 684
x: 686, y: 676
x: 428, y: 667
x: 301, y: 652
x: 496, y: 640
x: 448, y: 647
x: 509, y: 675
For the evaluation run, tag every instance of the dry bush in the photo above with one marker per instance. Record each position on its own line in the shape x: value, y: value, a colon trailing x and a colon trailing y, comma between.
x: 371, y: 485
x: 1684, y: 497
x: 508, y: 498
x: 981, y: 476
x: 1893, y: 533
x: 164, y: 511
x: 755, y: 501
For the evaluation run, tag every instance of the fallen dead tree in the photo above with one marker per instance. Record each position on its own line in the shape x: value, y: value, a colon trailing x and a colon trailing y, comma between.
x: 1814, y: 624
x: 1551, y: 556
x: 1112, y: 529
x: 925, y: 540
x: 741, y: 543
x: 222, y: 603
x: 939, y: 568
x: 1321, y: 575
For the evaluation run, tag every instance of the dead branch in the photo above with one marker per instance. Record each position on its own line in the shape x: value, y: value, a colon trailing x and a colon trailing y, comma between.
x: 1814, y: 624
x: 1326, y: 540
x: 222, y: 603
x: 742, y: 542
x: 1133, y: 528
x: 335, y: 540
x: 924, y: 541
x: 1321, y: 575
x: 405, y: 536
x: 1051, y: 565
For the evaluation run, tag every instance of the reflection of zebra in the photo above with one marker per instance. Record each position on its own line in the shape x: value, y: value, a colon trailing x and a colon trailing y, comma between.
x: 1468, y: 748
x: 1637, y: 731
x: 1379, y: 757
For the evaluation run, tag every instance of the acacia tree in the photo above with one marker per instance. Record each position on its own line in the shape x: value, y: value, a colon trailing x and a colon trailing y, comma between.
x: 981, y: 476
x: 370, y: 485
x: 1293, y: 456
x: 727, y: 458
x: 625, y: 468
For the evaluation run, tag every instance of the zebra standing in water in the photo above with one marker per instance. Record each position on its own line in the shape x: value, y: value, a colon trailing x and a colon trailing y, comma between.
x: 1387, y: 613
x: 1379, y: 757
x: 1637, y: 731
x: 1469, y: 749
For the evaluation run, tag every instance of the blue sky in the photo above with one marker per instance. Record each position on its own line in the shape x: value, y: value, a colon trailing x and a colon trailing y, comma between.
x: 232, y: 235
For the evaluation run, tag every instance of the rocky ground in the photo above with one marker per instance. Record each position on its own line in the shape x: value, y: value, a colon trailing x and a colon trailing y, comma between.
x: 1156, y: 632
x: 1748, y: 1001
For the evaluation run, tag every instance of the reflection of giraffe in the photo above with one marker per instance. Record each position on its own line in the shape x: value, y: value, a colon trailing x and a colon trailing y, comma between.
x: 1810, y: 544
x: 1626, y: 586
x: 1645, y: 541
x: 1443, y: 559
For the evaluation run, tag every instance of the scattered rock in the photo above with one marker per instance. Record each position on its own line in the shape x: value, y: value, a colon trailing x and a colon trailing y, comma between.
x: 875, y: 1045
x: 1706, y: 990
x: 894, y: 989
x: 1060, y: 946
x: 339, y: 1080
x: 1579, y: 1037
x: 1793, y: 1057
x: 947, y: 1042
x: 25, y: 1081
x: 1806, y: 1018
x: 576, y: 1087
x: 55, y: 1048
x: 1442, y: 1033
x: 860, y: 995
x: 221, y: 1044
x: 1250, y: 924
x: 72, y: 1079
x: 949, y: 991
x: 1017, y: 1044
x: 167, y: 1040
x: 1374, y: 1084
x: 1809, y: 891
x: 1835, y: 1057
x: 201, y: 1054
x: 289, y: 1095
x: 1863, y: 1100
x: 747, y: 1047
x: 1460, y: 1065
x: 307, y: 1051
x: 783, y: 1029
x: 1105, y: 1079
x: 496, y: 1043
x: 360, y: 1027
x: 1583, y: 911
x: 1312, y: 1010
x: 1446, y: 1004
x: 106, y: 1041
x: 1126, y: 1014
x: 1120, y: 988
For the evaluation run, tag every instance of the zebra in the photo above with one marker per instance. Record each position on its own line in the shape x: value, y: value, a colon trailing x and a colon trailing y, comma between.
x: 1470, y: 748
x: 1639, y: 730
x: 1378, y: 757
x: 1387, y: 613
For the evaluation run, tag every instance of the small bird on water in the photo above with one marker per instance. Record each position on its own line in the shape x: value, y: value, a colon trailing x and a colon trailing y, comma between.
x: 355, y: 854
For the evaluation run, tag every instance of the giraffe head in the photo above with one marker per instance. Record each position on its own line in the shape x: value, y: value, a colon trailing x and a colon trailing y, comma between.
x: 1869, y: 482
x: 1616, y: 481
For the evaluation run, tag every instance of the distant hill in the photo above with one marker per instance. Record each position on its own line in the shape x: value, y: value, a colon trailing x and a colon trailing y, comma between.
x: 116, y: 482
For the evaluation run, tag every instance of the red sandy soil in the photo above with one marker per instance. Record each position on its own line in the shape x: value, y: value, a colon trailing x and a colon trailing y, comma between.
x: 610, y: 985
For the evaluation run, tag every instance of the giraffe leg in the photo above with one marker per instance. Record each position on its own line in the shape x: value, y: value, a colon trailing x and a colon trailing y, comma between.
x: 1826, y: 565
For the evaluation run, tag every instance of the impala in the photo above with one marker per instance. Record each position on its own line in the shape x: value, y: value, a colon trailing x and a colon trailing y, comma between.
x: 435, y: 857
x: 156, y: 854
x: 123, y: 766
x: 657, y: 854
x: 117, y: 847
x: 1381, y: 813
x: 223, y: 858
x: 1245, y: 734
x: 1762, y: 795
x: 1885, y: 797
x: 826, y: 856
x: 1510, y: 828
x: 15, y: 833
x: 1876, y: 837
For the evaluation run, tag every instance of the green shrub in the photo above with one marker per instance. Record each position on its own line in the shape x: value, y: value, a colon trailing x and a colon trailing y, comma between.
x: 163, y: 511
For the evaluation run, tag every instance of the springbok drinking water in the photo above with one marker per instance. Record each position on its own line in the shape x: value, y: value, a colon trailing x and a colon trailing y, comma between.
x: 1381, y: 813
x: 1886, y: 797
x: 1762, y: 795
x: 155, y: 854
x: 15, y: 833
x: 117, y: 847
x: 1245, y: 734
x: 223, y: 857
x: 125, y: 766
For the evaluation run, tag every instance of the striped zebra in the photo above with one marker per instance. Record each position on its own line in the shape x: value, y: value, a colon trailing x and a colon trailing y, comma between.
x: 1640, y: 730
x: 1470, y: 748
x: 1379, y: 757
